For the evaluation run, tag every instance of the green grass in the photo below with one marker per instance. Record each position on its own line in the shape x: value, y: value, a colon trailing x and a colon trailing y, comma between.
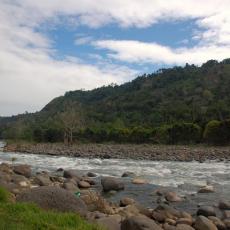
x: 22, y: 216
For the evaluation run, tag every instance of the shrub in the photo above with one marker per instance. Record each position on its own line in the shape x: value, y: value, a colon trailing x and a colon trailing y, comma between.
x: 217, y: 132
x: 178, y: 133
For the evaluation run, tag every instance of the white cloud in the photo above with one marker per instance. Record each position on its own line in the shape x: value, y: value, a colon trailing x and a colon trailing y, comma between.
x: 81, y: 40
x: 30, y: 76
x: 141, y: 52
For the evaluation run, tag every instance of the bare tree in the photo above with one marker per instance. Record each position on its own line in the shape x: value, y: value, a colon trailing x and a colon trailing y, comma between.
x: 72, y: 119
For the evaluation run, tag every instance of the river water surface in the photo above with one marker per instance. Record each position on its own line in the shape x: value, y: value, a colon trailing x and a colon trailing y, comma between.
x: 183, y: 177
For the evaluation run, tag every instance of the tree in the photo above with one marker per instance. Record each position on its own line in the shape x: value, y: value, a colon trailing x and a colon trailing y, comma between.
x: 71, y: 120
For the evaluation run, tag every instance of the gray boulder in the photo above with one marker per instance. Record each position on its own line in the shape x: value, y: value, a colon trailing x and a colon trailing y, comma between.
x: 42, y: 180
x: 206, y: 211
x: 111, y: 183
x: 139, y: 223
x: 24, y: 170
x: 55, y: 198
x: 203, y: 223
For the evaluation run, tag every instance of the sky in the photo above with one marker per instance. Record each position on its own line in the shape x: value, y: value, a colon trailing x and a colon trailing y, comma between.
x: 48, y: 47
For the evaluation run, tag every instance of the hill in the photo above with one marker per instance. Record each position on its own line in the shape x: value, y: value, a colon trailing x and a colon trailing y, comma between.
x: 187, y: 94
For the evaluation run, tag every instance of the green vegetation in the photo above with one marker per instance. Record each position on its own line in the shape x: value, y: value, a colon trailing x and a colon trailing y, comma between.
x: 217, y: 132
x: 22, y: 216
x: 169, y: 106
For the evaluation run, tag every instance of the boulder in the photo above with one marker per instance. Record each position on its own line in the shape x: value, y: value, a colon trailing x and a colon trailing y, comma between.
x: 126, y: 201
x: 206, y: 189
x: 42, y: 180
x: 110, y: 222
x: 184, y: 227
x: 224, y: 205
x: 203, y: 223
x: 6, y: 168
x: 226, y: 214
x: 187, y: 221
x: 139, y: 181
x: 139, y: 223
x: 24, y: 170
x: 72, y: 174
x: 83, y: 184
x: 20, y: 180
x: 111, y: 183
x: 55, y: 198
x: 172, y: 197
x: 227, y: 223
x: 70, y: 186
x: 206, y: 211
x: 91, y: 174
x: 219, y: 223
x: 128, y: 174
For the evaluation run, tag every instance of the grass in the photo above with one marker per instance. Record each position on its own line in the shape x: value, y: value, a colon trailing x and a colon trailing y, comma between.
x: 24, y: 216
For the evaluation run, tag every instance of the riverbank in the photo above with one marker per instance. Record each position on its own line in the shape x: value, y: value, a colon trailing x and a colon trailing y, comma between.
x: 125, y: 151
x: 87, y: 195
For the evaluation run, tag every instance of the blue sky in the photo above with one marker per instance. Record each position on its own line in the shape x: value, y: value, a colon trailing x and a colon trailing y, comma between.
x: 49, y: 47
x: 173, y: 34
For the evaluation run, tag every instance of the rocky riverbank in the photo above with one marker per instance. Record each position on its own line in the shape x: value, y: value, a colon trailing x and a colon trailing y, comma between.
x: 126, y: 151
x: 69, y: 190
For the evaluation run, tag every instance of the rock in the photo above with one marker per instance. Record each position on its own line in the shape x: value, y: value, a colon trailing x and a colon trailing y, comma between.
x: 187, y: 221
x: 24, y: 170
x: 72, y: 174
x: 219, y: 223
x: 110, y: 222
x: 170, y: 221
x: 168, y: 211
x: 128, y: 174
x: 206, y: 211
x: 139, y: 223
x: 206, y: 189
x: 227, y: 223
x: 91, y: 174
x: 159, y: 216
x: 42, y: 180
x: 70, y: 186
x: 89, y: 180
x: 166, y: 226
x: 203, y: 223
x: 184, y: 227
x: 172, y: 197
x: 20, y: 180
x: 60, y: 170
x: 224, y: 205
x: 6, y: 168
x: 83, y: 184
x: 55, y: 198
x: 139, y: 181
x: 126, y: 201
x: 226, y: 214
x: 111, y: 183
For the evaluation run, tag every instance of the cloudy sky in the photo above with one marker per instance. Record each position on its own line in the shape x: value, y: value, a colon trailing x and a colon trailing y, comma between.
x: 48, y: 47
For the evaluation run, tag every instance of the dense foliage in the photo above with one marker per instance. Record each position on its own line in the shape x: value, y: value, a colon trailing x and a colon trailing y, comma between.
x: 169, y: 106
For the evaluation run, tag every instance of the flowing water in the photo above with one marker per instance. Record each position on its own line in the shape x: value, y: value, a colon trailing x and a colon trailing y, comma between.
x: 183, y: 177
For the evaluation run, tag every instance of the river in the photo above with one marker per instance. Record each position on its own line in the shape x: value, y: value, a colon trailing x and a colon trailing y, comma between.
x: 183, y: 177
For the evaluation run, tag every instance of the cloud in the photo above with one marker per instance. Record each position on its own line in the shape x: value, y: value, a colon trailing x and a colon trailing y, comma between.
x: 30, y: 75
x: 141, y: 52
x: 81, y: 40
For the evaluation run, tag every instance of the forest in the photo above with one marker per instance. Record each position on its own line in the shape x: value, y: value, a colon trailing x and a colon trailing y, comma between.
x: 179, y: 105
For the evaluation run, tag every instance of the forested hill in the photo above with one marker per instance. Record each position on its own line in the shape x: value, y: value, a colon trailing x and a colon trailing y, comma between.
x: 188, y: 94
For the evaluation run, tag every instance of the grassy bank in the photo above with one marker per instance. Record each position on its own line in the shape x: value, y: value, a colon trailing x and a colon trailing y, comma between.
x: 22, y: 216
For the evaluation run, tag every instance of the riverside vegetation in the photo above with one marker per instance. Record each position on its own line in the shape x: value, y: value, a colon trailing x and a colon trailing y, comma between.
x: 180, y: 105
